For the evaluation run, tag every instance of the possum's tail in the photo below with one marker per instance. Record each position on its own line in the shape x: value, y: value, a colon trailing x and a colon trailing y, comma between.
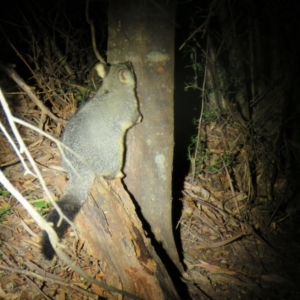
x: 70, y: 204
x: 70, y: 208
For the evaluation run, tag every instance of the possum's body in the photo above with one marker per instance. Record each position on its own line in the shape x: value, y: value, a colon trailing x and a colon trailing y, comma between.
x: 97, y: 135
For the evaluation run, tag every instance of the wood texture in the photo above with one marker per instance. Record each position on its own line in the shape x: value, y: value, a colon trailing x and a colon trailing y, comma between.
x: 143, y: 33
x: 115, y: 236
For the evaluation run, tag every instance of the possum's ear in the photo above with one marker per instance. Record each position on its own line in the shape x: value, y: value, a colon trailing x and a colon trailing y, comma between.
x: 101, y: 70
x: 127, y: 77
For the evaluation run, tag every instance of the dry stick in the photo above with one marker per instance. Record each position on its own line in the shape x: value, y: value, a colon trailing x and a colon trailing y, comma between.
x: 30, y: 209
x: 61, y: 58
x: 36, y: 286
x: 247, y: 229
x: 24, y: 149
x: 231, y: 187
x: 20, y: 157
x: 35, y: 215
x: 58, y: 280
x: 250, y: 184
x: 17, y: 159
x: 50, y: 71
x: 224, y: 242
x: 22, y: 84
x: 203, y: 27
x: 13, y: 74
x: 100, y: 58
x: 201, y: 114
x: 199, y: 29
x: 54, y: 239
x: 27, y: 275
x: 60, y: 145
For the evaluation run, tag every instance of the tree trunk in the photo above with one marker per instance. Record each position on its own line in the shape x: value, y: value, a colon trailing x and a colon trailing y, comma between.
x: 143, y: 33
x: 114, y: 235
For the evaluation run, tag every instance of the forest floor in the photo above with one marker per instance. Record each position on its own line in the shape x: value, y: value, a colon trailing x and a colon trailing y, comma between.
x: 238, y: 240
x: 228, y: 259
x: 226, y: 252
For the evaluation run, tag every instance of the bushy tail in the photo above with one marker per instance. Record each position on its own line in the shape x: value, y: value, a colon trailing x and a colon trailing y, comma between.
x: 70, y: 207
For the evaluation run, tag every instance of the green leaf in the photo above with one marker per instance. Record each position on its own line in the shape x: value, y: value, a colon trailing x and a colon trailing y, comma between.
x: 3, y: 212
x: 4, y: 193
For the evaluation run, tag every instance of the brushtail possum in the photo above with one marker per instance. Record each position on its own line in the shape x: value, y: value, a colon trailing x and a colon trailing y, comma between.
x: 97, y: 135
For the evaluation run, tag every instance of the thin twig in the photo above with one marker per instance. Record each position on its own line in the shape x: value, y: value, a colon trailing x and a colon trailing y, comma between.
x: 10, y: 140
x: 21, y: 83
x: 201, y: 113
x: 91, y: 23
x: 58, y: 280
x: 36, y: 216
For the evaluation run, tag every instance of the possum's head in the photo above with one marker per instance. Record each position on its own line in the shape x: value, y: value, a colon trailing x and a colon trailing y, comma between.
x: 122, y: 72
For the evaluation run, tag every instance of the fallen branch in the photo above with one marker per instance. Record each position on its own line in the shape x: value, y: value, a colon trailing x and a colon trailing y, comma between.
x: 43, y: 224
x: 21, y: 83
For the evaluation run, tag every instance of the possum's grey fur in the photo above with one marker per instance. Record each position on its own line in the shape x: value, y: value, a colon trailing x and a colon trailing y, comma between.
x: 97, y: 135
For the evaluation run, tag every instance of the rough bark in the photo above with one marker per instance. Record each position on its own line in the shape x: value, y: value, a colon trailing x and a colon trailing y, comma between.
x: 143, y: 33
x: 114, y: 235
